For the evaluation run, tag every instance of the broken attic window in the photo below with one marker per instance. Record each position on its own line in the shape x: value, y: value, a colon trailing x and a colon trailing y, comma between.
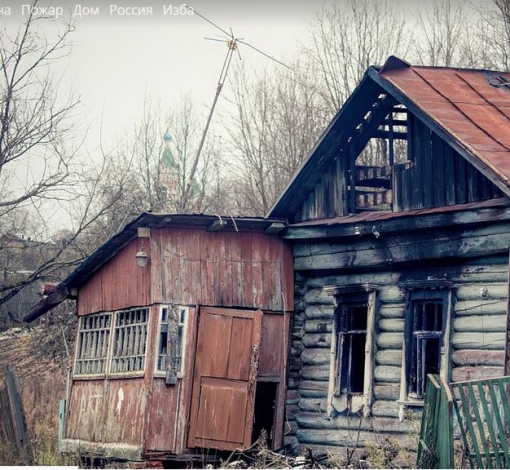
x: 171, y: 340
x: 93, y: 341
x: 130, y: 340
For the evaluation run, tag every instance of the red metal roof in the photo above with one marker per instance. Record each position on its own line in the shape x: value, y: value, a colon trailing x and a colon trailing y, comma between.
x: 473, y: 106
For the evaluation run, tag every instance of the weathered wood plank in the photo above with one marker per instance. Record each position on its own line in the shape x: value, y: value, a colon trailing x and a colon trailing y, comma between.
x: 387, y: 392
x: 460, y: 374
x: 480, y: 323
x: 387, y: 374
x: 493, y: 341
x: 494, y: 291
x: 315, y: 356
x: 318, y: 326
x: 477, y: 307
x: 389, y: 357
x: 392, y: 324
x: 475, y: 357
x: 397, y: 249
x: 322, y: 312
x: 317, y: 340
x: 390, y: 340
x: 316, y: 373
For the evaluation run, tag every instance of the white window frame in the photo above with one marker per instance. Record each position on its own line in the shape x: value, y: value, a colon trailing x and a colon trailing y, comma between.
x: 92, y: 329
x: 425, y: 291
x: 352, y: 402
x: 162, y: 367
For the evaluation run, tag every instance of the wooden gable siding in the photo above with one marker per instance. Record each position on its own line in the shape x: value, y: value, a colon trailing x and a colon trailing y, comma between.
x: 118, y: 284
x: 438, y: 175
x: 229, y: 269
x: 435, y: 175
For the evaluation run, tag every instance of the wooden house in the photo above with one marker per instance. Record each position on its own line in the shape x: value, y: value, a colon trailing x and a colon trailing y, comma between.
x: 394, y: 262
x: 183, y: 326
x: 400, y: 226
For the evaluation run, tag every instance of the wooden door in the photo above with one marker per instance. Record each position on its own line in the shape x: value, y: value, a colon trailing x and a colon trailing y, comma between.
x: 224, y: 380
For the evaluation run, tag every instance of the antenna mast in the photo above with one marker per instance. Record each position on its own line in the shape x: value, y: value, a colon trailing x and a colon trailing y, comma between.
x: 232, y: 47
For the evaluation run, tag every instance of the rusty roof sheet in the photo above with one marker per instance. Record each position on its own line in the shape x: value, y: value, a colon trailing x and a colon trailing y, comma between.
x: 473, y: 106
x: 379, y: 216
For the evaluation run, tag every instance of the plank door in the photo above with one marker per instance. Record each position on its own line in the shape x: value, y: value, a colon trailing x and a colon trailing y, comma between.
x: 224, y: 379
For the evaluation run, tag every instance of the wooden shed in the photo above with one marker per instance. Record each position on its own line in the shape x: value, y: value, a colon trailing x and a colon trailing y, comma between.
x: 400, y: 225
x: 182, y: 339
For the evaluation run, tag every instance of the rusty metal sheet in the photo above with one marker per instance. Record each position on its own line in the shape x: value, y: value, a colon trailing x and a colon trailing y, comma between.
x: 378, y: 216
x: 472, y: 105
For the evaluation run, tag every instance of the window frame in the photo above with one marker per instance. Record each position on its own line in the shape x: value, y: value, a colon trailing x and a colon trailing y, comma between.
x: 111, y: 333
x: 171, y: 372
x: 83, y: 335
x: 425, y: 292
x: 348, y: 296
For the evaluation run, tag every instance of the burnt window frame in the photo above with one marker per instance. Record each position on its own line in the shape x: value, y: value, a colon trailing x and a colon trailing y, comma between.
x: 419, y: 293
x: 348, y: 299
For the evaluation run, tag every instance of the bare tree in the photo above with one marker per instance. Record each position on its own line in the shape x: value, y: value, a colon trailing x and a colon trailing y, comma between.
x: 442, y: 28
x: 345, y: 39
x: 277, y: 118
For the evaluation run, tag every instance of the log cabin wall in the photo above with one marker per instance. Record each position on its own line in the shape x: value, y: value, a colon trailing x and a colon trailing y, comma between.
x: 477, y: 267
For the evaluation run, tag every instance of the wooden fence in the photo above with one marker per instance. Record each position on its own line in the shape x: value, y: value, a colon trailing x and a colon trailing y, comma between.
x: 13, y: 428
x: 481, y: 411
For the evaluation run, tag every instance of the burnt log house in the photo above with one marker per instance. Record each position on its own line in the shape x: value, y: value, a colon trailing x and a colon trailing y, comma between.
x: 389, y: 247
x: 400, y: 225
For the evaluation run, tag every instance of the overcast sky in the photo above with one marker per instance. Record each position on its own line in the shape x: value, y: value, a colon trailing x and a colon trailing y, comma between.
x: 118, y: 57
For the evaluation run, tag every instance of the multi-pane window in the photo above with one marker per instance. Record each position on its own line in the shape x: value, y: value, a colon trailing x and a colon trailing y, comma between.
x: 352, y: 348
x: 112, y: 342
x: 130, y: 340
x: 93, y: 341
x: 426, y: 337
x: 172, y: 337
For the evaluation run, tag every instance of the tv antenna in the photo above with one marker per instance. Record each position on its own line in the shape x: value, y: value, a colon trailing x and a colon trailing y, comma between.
x: 232, y: 45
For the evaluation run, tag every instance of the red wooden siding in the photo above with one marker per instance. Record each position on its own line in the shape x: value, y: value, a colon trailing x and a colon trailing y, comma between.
x: 118, y: 284
x: 230, y: 269
x: 169, y: 405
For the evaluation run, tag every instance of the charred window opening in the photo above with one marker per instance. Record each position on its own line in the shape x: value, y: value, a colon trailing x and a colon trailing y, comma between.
x: 352, y: 348
x: 425, y: 344
x: 352, y: 335
x: 130, y: 340
x: 93, y: 341
x: 427, y: 337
